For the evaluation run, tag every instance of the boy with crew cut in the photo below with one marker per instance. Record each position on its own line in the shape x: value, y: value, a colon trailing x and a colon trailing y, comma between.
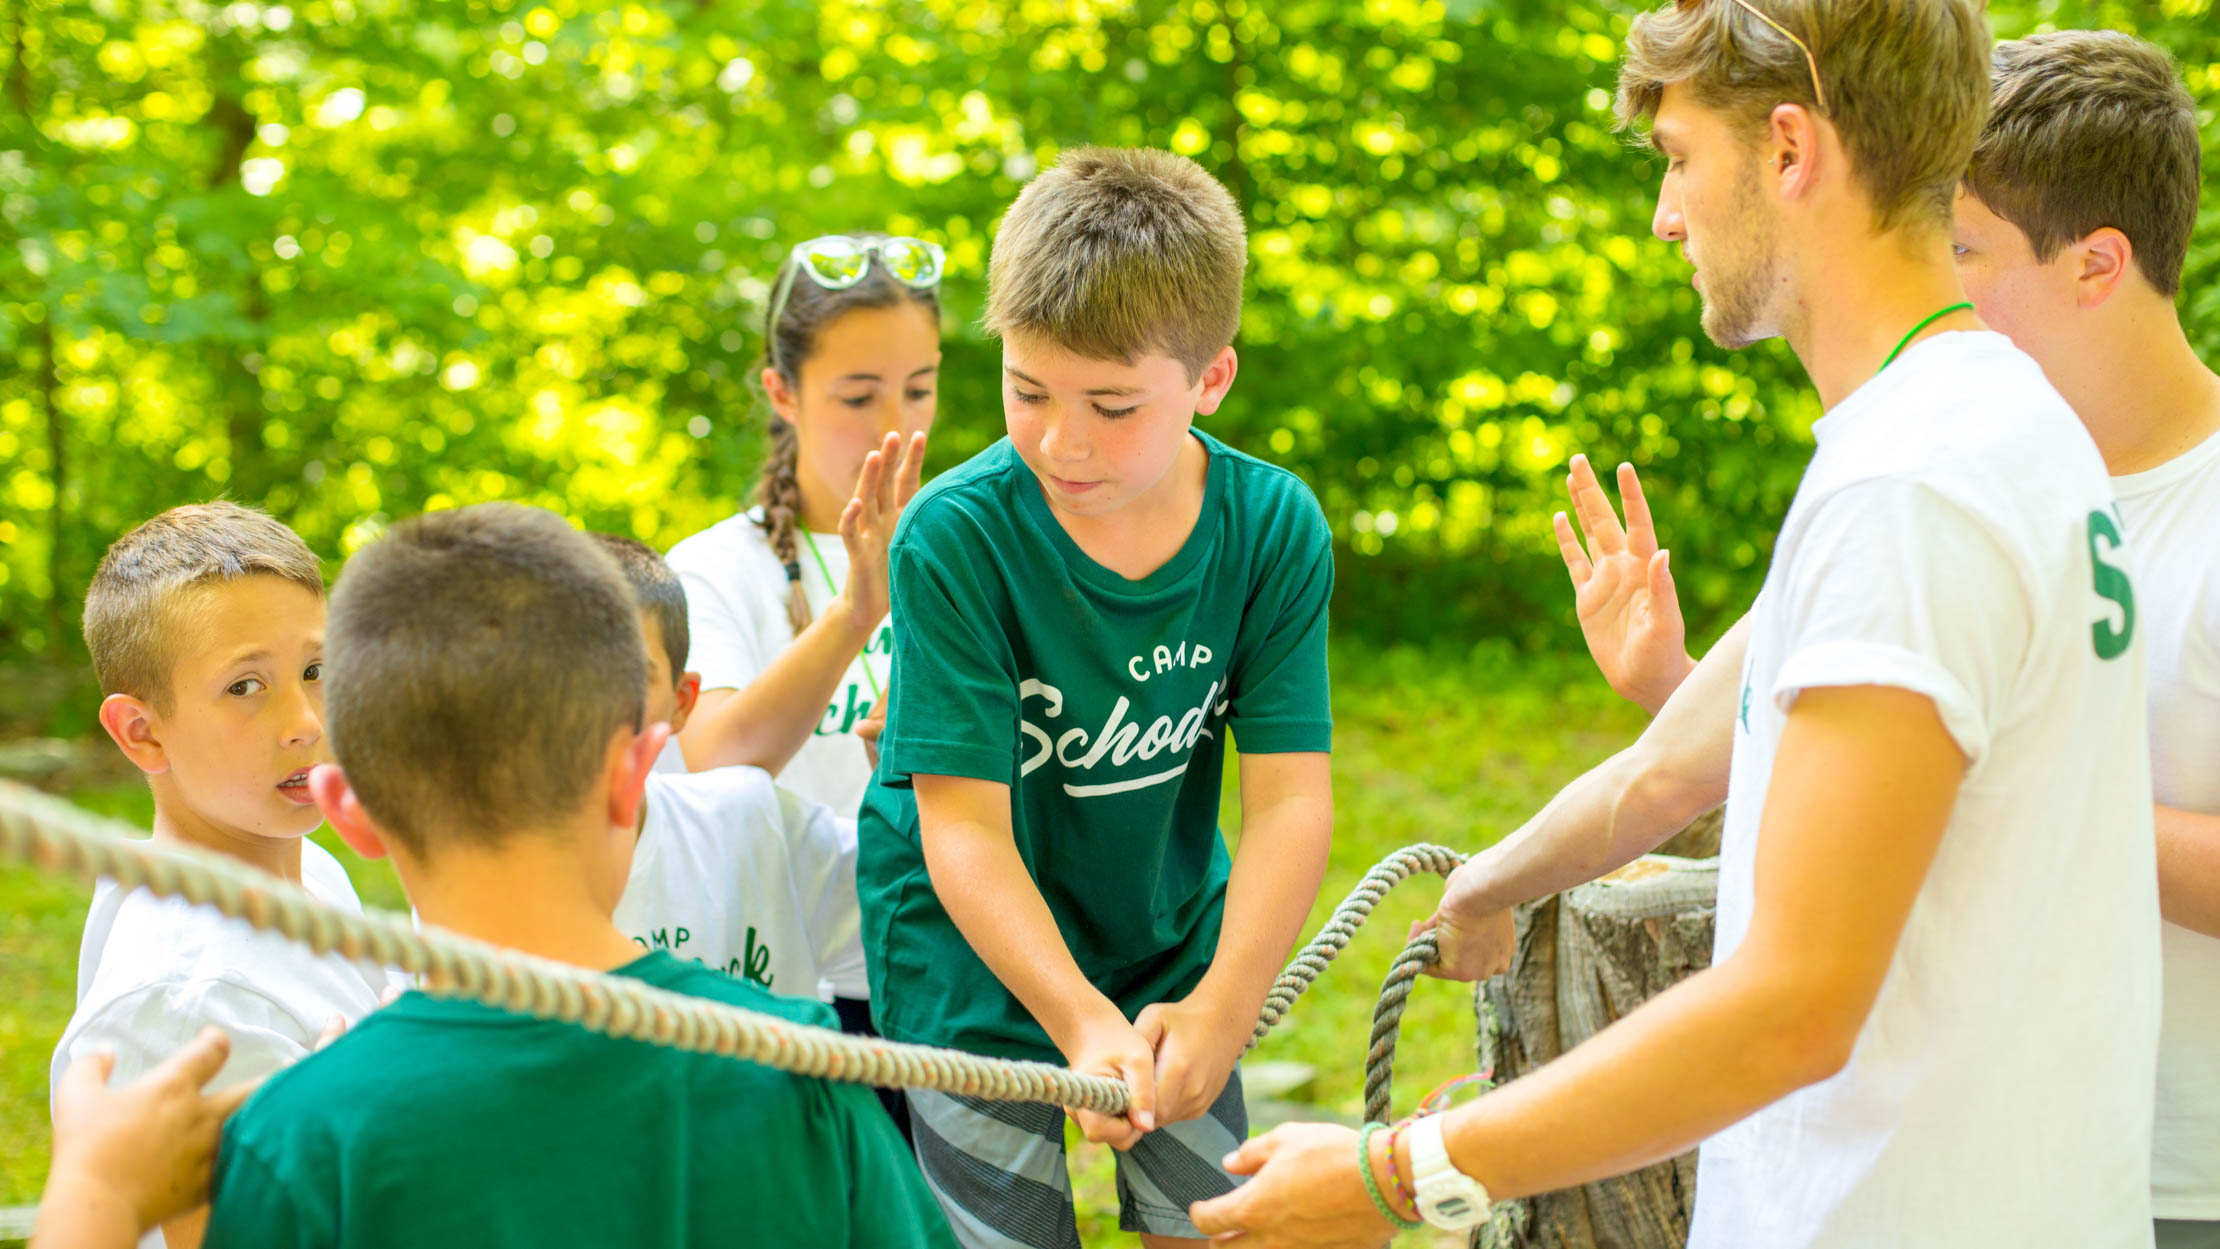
x: 206, y: 630
x: 1082, y: 614
x: 1927, y: 732
x: 486, y: 701
x: 2072, y: 227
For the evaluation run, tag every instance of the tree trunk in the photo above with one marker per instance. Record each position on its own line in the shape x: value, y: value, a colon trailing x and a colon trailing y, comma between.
x: 1585, y: 958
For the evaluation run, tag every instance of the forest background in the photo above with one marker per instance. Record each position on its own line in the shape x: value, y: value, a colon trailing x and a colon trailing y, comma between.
x: 353, y: 259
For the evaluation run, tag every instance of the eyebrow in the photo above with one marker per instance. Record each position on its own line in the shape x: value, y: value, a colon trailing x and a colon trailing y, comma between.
x: 1092, y: 390
x: 247, y: 656
x: 1659, y: 140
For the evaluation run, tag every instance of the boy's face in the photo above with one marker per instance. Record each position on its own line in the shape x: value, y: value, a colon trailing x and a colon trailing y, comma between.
x: 246, y: 716
x: 1712, y: 203
x: 2030, y: 301
x: 670, y: 695
x: 1100, y: 434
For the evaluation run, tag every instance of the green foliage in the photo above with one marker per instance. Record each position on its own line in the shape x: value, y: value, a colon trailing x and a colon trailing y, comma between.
x: 358, y: 258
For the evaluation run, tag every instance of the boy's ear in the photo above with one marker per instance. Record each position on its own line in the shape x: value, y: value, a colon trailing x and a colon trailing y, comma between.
x: 130, y: 725
x: 2105, y: 257
x: 689, y: 693
x: 630, y: 765
x: 1217, y: 379
x: 343, y: 810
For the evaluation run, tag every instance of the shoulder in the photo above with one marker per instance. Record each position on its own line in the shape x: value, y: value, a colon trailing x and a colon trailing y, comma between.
x: 694, y: 980
x: 970, y: 500
x: 1273, y: 498
x: 715, y: 801
x: 714, y: 548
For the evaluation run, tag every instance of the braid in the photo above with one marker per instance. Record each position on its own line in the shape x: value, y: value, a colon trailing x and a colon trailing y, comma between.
x: 781, y: 495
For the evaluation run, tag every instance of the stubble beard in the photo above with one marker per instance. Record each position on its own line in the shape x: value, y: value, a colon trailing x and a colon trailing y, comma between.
x: 1741, y: 269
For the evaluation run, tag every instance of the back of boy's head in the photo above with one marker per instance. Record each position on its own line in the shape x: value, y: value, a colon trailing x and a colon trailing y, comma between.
x: 136, y: 606
x: 478, y: 662
x: 1117, y: 253
x: 661, y: 595
x: 2088, y: 129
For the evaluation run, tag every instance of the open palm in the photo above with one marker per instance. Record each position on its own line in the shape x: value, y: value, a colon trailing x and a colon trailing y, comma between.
x: 1623, y: 589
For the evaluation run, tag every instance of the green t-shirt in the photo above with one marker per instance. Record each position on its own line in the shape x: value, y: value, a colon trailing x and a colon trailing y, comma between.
x: 439, y: 1122
x: 1103, y: 704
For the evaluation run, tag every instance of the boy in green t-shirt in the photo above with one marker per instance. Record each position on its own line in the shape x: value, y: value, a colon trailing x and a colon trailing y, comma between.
x: 487, y: 681
x: 1081, y: 613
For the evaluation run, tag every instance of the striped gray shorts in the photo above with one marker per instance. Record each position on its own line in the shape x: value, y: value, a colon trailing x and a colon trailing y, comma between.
x: 998, y: 1169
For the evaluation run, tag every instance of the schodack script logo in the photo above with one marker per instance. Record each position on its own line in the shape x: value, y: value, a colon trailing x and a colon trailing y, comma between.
x: 1121, y: 740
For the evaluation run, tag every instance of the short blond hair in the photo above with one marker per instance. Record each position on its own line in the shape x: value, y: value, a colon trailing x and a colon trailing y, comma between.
x: 1120, y: 252
x: 2087, y: 129
x: 1907, y: 83
x: 133, y: 604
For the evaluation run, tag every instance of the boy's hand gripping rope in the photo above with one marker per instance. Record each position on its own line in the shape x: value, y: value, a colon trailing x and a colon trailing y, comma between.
x: 58, y: 837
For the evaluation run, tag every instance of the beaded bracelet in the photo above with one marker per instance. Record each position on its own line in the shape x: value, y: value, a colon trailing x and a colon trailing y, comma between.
x: 1395, y: 1172
x: 1372, y: 1185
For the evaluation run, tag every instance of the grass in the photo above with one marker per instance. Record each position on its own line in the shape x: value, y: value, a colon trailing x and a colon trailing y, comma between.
x: 1437, y: 746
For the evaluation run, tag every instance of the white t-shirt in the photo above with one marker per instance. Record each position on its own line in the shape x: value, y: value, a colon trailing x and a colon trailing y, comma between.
x: 152, y: 972
x: 736, y: 612
x: 747, y: 877
x: 1954, y: 536
x: 2172, y: 514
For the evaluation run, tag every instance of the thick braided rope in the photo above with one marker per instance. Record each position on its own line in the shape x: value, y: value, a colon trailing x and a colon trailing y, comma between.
x: 1387, y: 1023
x: 57, y: 837
x: 1334, y: 936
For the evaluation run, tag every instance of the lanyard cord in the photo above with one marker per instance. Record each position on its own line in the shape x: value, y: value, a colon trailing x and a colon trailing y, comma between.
x: 863, y: 656
x: 1906, y: 341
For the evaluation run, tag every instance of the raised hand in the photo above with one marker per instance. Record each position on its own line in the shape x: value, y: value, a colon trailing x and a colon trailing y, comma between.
x: 883, y: 489
x: 1623, y: 589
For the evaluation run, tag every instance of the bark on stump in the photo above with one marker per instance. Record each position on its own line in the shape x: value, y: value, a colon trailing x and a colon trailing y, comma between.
x: 1585, y: 958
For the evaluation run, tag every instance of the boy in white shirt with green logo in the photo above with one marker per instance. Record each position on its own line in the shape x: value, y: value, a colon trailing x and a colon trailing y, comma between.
x: 1938, y: 821
x: 1083, y: 614
x: 2071, y: 232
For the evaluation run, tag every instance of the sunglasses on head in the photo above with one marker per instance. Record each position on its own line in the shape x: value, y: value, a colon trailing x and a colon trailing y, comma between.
x: 1818, y: 91
x: 837, y: 262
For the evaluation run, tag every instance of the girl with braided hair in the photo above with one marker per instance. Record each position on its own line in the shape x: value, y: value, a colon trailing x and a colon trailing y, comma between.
x: 787, y: 601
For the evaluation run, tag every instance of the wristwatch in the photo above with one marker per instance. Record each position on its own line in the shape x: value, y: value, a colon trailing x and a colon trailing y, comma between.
x: 1447, y: 1197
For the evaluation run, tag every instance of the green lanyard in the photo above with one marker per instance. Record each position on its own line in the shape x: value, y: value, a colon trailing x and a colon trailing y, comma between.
x: 1906, y: 341
x: 864, y: 656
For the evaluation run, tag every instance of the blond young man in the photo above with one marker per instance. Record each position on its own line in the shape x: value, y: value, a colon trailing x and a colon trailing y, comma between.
x: 1937, y: 805
x: 206, y: 630
x: 1083, y: 613
x: 2071, y: 231
x: 487, y: 697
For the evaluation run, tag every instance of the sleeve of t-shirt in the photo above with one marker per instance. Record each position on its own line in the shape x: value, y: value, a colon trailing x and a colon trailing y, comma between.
x: 824, y: 859
x: 889, y: 1206
x: 1279, y: 699
x: 1893, y: 584
x: 730, y: 641
x: 952, y: 704
x: 253, y: 1206
x: 148, y: 1025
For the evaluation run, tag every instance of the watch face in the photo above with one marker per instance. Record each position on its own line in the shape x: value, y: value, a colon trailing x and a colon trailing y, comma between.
x: 1452, y: 1210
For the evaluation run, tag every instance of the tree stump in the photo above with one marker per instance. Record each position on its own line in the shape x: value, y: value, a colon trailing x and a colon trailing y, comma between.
x: 1587, y: 957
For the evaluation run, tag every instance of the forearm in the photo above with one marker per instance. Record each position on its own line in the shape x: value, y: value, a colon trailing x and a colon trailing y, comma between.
x: 1276, y: 873
x: 1710, y: 1051
x: 77, y: 1214
x: 981, y: 880
x: 764, y: 724
x: 2189, y: 869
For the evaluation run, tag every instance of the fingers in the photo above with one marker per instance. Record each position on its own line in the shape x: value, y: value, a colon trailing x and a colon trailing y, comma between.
x: 1661, y: 582
x: 890, y: 475
x: 1568, y: 545
x: 391, y: 995
x: 1641, y: 531
x: 334, y: 1028
x: 222, y: 1104
x: 1597, y: 517
x: 912, y: 472
x: 1253, y: 1153
x: 1153, y: 1025
x: 85, y: 1076
x: 198, y: 1062
x: 1140, y: 1080
x: 871, y: 481
x: 1112, y: 1130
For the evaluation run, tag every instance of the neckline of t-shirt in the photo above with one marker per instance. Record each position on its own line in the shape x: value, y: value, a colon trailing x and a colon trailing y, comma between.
x: 1091, y: 570
x: 2196, y: 458
x: 1889, y: 377
x: 656, y: 968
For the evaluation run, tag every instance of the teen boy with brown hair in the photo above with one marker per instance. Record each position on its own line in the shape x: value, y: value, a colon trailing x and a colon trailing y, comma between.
x: 1936, y: 781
